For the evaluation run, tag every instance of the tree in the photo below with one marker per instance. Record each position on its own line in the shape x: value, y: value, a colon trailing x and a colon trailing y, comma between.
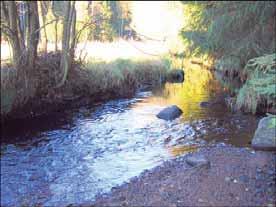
x: 23, y: 53
x: 68, y: 39
x: 44, y: 7
x: 228, y: 28
x: 10, y: 27
x: 33, y: 32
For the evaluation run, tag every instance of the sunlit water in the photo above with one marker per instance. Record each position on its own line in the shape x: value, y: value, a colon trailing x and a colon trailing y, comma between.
x: 71, y: 157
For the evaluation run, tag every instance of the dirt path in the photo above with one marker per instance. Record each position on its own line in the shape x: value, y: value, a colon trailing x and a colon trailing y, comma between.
x: 237, y: 177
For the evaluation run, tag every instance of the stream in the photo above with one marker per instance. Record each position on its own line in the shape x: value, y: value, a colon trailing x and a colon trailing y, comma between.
x: 70, y: 157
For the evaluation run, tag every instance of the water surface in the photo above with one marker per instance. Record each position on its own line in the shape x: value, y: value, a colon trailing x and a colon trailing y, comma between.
x: 69, y: 158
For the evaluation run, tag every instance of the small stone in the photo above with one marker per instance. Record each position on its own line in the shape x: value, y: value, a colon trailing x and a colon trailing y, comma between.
x: 235, y: 181
x: 200, y: 200
x: 244, y: 178
x: 197, y: 161
x: 227, y: 179
x: 246, y: 189
x: 237, y: 198
x: 259, y: 170
x: 204, y: 104
x: 271, y: 172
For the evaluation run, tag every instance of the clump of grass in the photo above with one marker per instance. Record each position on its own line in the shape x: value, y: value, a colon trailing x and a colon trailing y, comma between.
x: 259, y: 91
x: 229, y: 66
x: 120, y: 77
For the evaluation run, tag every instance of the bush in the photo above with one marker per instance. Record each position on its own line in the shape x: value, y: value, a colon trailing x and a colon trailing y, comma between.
x: 259, y: 91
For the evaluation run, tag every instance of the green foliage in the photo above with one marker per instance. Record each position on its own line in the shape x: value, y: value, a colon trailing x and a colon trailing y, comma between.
x: 120, y: 16
x: 111, y: 19
x: 58, y: 8
x: 244, y: 29
x: 234, y: 33
x: 272, y: 123
x: 260, y: 87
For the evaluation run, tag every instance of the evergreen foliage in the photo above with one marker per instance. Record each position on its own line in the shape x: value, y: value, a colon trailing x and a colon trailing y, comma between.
x: 226, y: 28
x: 260, y: 87
x: 238, y: 35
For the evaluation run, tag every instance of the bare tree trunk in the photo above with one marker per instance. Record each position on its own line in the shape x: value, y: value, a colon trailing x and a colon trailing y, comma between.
x: 56, y: 35
x: 21, y: 25
x: 44, y: 11
x: 68, y: 27
x: 33, y: 32
x: 73, y: 34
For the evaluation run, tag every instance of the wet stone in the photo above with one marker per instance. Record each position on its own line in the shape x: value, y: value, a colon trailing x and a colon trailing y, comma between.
x: 227, y: 179
x: 197, y: 160
x: 244, y: 178
x: 204, y: 104
x: 170, y: 113
x: 264, y: 137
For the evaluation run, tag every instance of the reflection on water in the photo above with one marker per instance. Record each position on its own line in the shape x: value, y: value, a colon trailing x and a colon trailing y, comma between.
x: 70, y: 157
x: 199, y: 85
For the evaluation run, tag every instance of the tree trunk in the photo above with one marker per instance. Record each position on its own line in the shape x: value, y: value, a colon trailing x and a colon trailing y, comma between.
x: 33, y: 33
x: 68, y: 27
x: 56, y: 35
x: 44, y: 11
x: 73, y: 34
x: 10, y: 14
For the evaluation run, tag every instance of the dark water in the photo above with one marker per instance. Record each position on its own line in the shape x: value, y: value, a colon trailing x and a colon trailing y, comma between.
x: 68, y: 158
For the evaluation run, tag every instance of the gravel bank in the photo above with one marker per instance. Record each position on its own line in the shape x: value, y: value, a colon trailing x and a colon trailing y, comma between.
x: 236, y: 177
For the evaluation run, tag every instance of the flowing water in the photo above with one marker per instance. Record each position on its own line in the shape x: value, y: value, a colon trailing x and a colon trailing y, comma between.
x: 69, y: 158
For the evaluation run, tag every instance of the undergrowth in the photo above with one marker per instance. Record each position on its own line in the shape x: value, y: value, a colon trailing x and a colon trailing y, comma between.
x: 120, y: 77
x: 259, y: 91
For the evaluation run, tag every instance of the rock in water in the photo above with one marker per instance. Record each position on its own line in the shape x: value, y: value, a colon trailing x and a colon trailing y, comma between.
x: 204, y: 104
x: 197, y: 160
x: 170, y: 113
x: 175, y: 76
x: 265, y: 135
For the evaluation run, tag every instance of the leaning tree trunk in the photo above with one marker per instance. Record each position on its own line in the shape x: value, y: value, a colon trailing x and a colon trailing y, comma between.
x: 33, y: 32
x: 69, y: 23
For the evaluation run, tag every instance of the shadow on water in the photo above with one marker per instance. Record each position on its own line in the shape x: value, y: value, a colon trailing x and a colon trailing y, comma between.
x: 71, y: 157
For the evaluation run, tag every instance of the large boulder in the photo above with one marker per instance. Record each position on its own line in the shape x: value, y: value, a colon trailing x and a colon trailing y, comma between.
x: 265, y: 135
x: 170, y: 113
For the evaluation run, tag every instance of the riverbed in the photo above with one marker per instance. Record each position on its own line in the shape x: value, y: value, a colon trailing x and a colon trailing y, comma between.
x: 70, y: 157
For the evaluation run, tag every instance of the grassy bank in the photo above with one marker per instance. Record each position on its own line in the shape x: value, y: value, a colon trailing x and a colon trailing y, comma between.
x: 254, y: 86
x: 33, y: 92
